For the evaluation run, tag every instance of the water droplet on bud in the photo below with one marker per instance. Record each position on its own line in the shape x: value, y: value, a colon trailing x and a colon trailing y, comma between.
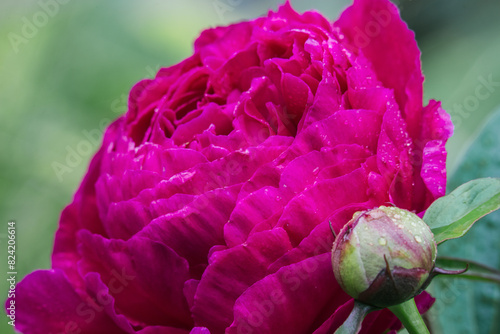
x: 382, y: 241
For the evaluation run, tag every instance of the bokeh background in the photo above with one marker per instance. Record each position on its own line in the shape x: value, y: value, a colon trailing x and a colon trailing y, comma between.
x: 66, y: 68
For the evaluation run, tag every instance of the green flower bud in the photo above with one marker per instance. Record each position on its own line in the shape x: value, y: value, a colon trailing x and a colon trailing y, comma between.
x: 384, y: 256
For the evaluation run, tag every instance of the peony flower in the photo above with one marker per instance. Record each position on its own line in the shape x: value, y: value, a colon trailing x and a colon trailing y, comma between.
x: 207, y: 208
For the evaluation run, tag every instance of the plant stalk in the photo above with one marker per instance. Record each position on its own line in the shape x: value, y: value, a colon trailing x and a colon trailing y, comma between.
x: 353, y: 323
x: 408, y: 314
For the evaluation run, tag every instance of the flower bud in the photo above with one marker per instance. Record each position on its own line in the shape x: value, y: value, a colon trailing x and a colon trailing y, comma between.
x: 384, y: 256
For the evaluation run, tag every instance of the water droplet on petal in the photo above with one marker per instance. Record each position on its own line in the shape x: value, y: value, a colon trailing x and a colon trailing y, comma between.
x: 382, y: 241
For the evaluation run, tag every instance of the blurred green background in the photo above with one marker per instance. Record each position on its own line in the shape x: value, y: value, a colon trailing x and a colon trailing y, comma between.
x: 66, y: 68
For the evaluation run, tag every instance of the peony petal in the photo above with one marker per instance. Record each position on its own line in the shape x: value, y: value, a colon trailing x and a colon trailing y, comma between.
x: 394, y: 154
x: 378, y: 99
x: 112, y: 189
x: 193, y: 230
x: 310, y: 165
x: 190, y: 287
x: 379, y: 322
x: 82, y: 213
x: 231, y: 272
x: 434, y: 168
x: 438, y: 125
x: 124, y: 219
x: 47, y: 303
x: 212, y: 114
x: 236, y: 168
x: 297, y: 97
x: 267, y: 175
x: 295, y: 299
x: 164, y: 206
x: 86, y: 200
x: 162, y: 330
x: 320, y: 240
x: 336, y: 319
x: 213, y: 152
x: 175, y: 161
x: 65, y: 255
x: 200, y: 330
x: 326, y: 100
x: 430, y: 152
x: 227, y: 77
x: 424, y: 302
x: 360, y: 127
x: 319, y: 201
x: 223, y: 42
x: 139, y: 267
x: 100, y: 294
x: 251, y: 210
x: 361, y: 75
x: 285, y: 11
x: 374, y: 28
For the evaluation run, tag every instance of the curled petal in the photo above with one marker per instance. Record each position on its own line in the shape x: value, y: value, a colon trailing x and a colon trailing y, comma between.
x: 38, y: 312
x: 375, y: 29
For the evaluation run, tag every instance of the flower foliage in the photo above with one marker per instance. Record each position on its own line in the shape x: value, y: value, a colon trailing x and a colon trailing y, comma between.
x: 207, y: 208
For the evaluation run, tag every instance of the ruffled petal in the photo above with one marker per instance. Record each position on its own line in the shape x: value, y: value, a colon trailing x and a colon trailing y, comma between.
x: 374, y: 29
x: 316, y: 203
x: 394, y: 159
x: 200, y: 330
x: 162, y: 330
x: 231, y: 272
x: 296, y: 299
x: 336, y: 319
x: 46, y: 302
x: 360, y: 127
x: 139, y: 267
x: 434, y: 168
x: 194, y: 229
x: 250, y: 211
x: 320, y: 239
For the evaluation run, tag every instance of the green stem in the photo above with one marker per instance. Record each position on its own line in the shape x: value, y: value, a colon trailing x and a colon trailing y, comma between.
x: 408, y: 314
x: 480, y: 277
x: 477, y: 271
x: 353, y: 323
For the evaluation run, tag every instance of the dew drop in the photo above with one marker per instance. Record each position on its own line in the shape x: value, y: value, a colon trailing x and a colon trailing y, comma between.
x: 382, y: 241
x: 418, y: 239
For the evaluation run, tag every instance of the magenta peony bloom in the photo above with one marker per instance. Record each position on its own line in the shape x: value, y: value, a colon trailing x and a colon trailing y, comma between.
x: 207, y: 208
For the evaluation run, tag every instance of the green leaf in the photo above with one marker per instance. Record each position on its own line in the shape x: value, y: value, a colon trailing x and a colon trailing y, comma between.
x: 453, y: 215
x: 465, y: 306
